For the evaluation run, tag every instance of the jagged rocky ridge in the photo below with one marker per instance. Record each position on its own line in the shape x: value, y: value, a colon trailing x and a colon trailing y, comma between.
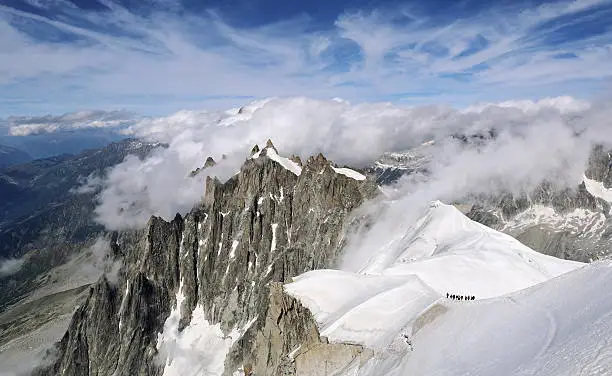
x: 273, y: 220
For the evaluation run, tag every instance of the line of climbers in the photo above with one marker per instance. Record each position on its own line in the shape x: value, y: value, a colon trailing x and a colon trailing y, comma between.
x: 460, y: 297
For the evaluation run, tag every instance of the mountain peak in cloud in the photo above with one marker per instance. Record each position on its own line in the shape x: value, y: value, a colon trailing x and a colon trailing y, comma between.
x: 356, y: 136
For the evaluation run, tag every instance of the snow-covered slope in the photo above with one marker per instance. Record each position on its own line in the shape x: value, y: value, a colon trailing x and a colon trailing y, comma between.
x: 402, y: 289
x: 444, y: 237
x: 559, y: 328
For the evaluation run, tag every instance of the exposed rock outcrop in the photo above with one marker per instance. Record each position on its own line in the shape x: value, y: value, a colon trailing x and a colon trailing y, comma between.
x: 210, y: 162
x: 599, y: 167
x: 265, y: 224
x: 288, y: 343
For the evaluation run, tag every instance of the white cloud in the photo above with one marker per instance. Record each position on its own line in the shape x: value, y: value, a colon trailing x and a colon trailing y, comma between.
x: 533, y: 145
x: 536, y: 140
x: 10, y: 266
x: 32, y: 125
x: 565, y: 105
x: 100, y: 261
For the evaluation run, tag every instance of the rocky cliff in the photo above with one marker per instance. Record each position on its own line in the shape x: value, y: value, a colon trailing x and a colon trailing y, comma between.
x: 274, y: 219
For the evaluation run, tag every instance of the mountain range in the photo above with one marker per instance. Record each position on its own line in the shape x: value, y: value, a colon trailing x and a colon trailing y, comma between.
x: 11, y: 156
x: 261, y: 277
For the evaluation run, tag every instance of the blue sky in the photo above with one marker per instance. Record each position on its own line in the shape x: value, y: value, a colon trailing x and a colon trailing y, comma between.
x: 158, y: 56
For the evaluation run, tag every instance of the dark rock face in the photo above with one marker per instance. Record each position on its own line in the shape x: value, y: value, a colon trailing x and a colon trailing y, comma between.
x: 263, y: 225
x: 86, y: 324
x: 390, y: 167
x: 116, y: 329
x: 507, y: 206
x: 255, y: 149
x: 210, y: 162
x: 600, y: 166
x: 287, y: 342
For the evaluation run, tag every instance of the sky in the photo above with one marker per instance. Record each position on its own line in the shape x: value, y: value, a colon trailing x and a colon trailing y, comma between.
x: 156, y: 57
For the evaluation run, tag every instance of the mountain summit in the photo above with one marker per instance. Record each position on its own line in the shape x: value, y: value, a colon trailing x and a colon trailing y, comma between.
x: 213, y: 273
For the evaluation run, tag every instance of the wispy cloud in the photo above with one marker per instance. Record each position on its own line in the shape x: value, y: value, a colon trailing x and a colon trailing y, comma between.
x: 71, y: 58
x: 32, y: 125
x: 10, y: 266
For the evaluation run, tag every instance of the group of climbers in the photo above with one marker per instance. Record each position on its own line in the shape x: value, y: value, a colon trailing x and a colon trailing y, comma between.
x: 460, y: 297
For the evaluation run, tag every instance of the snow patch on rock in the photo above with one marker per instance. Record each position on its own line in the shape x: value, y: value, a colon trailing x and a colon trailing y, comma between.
x: 200, y: 348
x: 349, y: 173
x: 597, y: 189
x: 273, y: 243
x: 287, y: 163
x: 233, y: 250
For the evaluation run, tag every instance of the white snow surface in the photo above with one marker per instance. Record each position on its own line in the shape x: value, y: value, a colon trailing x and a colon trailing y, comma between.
x: 562, y: 327
x: 497, y: 334
x: 349, y: 173
x: 273, y: 242
x: 285, y: 162
x: 597, y: 189
x: 232, y: 253
x: 199, y: 349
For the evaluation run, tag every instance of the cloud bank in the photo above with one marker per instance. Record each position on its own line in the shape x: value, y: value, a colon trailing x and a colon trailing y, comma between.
x: 546, y: 139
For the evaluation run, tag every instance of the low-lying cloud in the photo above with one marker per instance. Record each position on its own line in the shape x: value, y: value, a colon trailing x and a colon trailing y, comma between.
x: 99, y: 261
x: 550, y: 138
x: 10, y: 266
